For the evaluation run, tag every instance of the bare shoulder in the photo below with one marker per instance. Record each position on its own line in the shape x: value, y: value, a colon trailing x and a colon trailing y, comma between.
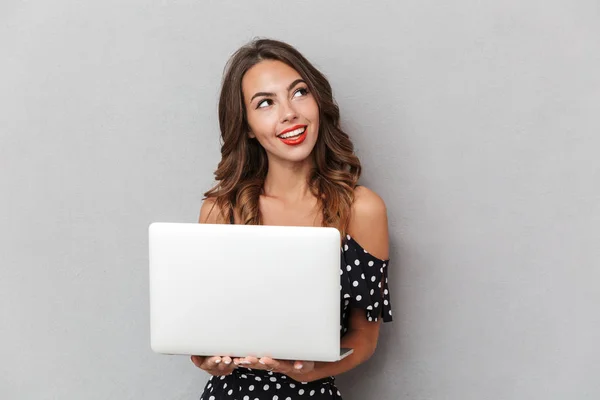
x: 210, y: 212
x: 369, y: 222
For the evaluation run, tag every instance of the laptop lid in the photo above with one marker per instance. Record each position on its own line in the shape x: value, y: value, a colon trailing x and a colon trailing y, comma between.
x: 242, y: 290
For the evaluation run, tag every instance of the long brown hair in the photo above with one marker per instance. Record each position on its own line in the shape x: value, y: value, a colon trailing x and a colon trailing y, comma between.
x: 243, y: 167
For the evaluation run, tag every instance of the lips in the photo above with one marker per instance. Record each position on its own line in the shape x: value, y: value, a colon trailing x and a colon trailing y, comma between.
x: 294, y: 135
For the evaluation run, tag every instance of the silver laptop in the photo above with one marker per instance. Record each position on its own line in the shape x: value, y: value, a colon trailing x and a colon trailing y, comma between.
x: 242, y: 290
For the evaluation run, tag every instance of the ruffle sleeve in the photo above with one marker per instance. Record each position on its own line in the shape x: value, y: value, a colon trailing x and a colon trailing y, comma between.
x: 365, y: 281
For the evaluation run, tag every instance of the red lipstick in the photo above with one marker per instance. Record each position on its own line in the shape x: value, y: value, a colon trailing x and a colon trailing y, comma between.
x: 296, y: 139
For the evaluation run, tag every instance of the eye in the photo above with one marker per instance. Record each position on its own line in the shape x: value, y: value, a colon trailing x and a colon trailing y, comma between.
x: 302, y: 91
x: 264, y: 103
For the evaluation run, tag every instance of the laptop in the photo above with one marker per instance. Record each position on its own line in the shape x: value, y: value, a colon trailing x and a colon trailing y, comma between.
x: 245, y: 290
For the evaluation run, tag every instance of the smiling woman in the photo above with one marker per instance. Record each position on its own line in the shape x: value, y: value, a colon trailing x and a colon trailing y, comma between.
x: 286, y: 161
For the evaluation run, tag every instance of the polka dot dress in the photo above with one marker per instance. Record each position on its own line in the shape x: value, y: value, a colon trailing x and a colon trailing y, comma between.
x: 364, y: 285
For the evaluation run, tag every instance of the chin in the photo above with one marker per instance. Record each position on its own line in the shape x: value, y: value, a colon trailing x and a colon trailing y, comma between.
x: 296, y: 155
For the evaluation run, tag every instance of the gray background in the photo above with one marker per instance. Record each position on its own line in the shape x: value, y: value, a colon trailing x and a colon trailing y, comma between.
x: 477, y: 122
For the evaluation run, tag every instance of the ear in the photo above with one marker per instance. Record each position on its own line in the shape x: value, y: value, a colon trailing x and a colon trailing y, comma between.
x: 251, y: 135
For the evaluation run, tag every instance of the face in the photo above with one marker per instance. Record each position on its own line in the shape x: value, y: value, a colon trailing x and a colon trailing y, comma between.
x: 283, y: 116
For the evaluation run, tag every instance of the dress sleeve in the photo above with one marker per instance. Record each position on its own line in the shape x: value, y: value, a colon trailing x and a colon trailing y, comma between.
x: 365, y: 281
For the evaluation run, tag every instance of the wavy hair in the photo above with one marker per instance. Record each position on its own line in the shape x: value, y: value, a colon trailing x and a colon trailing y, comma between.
x: 241, y: 173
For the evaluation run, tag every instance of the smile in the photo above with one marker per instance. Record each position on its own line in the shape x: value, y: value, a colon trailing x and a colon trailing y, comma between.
x: 293, y: 136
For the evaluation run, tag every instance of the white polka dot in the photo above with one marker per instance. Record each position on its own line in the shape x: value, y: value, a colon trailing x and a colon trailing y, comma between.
x: 390, y: 312
x: 278, y: 386
x: 312, y: 392
x: 251, y: 388
x: 373, y: 279
x: 222, y: 377
x: 246, y: 397
x: 266, y: 387
x: 376, y: 304
x: 230, y: 392
x: 301, y: 391
x: 381, y: 270
x: 258, y: 378
x: 346, y: 296
x: 358, y: 298
x: 244, y: 376
x: 355, y: 283
x: 340, y: 287
x: 370, y: 319
x: 369, y: 307
x: 275, y: 397
x: 341, y: 272
x: 372, y: 291
x: 349, y: 268
x: 371, y: 263
x: 385, y: 292
x: 273, y: 379
x: 209, y: 385
x: 386, y: 302
x: 383, y: 265
x: 288, y: 398
x: 292, y: 385
x: 338, y: 393
x: 356, y: 262
x: 362, y: 276
x: 379, y: 285
x: 346, y: 247
x: 386, y: 280
x: 211, y: 398
x: 322, y: 390
x: 225, y: 386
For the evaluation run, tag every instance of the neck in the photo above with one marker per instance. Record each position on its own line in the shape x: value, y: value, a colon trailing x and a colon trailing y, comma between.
x: 288, y: 180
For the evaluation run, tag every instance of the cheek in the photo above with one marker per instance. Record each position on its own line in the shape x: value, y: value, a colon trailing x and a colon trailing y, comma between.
x: 260, y: 125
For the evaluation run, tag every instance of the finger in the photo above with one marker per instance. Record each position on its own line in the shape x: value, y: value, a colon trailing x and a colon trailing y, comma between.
x: 250, y: 362
x: 197, y: 360
x: 298, y: 365
x: 225, y: 364
x: 252, y: 359
x: 211, y: 362
x: 269, y: 363
x: 242, y: 361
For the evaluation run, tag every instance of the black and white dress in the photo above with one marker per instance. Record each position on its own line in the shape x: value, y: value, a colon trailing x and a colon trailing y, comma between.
x: 364, y: 285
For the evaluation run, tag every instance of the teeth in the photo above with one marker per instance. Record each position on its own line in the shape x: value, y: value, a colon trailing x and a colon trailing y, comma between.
x: 292, y: 133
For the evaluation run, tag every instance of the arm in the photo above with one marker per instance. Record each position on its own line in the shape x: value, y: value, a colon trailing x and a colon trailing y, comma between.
x: 210, y: 213
x: 369, y: 226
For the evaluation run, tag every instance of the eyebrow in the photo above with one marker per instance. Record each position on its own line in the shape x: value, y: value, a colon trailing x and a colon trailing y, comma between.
x: 269, y: 94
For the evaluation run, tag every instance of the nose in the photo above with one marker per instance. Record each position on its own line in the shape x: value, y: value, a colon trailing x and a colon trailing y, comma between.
x: 287, y: 112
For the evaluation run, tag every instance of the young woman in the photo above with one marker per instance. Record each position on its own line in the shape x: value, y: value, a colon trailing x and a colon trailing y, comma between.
x: 285, y: 161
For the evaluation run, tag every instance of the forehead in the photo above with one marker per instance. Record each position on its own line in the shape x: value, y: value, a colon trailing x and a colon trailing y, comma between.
x: 268, y: 76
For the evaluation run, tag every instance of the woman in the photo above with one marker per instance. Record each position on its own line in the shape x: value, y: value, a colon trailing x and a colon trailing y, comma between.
x: 285, y: 161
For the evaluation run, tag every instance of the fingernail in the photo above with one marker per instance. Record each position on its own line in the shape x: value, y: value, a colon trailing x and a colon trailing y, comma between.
x: 262, y: 362
x: 217, y: 361
x: 245, y: 362
x: 298, y: 366
x: 227, y: 362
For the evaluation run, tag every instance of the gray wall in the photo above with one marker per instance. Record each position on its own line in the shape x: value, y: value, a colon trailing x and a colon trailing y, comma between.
x: 477, y: 122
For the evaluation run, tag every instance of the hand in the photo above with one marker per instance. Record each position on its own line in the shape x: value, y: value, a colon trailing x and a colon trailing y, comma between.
x: 294, y: 369
x: 217, y: 366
